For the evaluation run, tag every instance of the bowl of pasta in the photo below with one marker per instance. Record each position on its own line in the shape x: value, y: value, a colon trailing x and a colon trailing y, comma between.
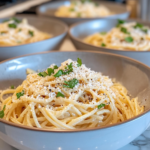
x: 24, y: 34
x: 130, y: 38
x: 79, y: 10
x: 92, y: 100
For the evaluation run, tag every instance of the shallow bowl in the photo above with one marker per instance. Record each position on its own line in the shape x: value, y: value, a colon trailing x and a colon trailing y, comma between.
x: 56, y: 28
x: 134, y: 75
x: 49, y: 10
x: 80, y: 31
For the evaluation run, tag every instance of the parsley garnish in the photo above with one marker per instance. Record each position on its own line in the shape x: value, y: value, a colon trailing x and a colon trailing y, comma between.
x: 12, y: 86
x: 42, y: 74
x: 129, y: 39
x: 68, y: 69
x: 12, y: 25
x: 120, y: 22
x: 20, y: 30
x: 2, y: 112
x: 71, y: 84
x: 83, y: 1
x: 100, y: 106
x: 59, y: 94
x: 20, y: 94
x: 3, y: 32
x: 59, y: 73
x: 145, y: 30
x: 124, y: 30
x: 103, y: 44
x: 79, y: 62
x: 55, y: 67
x: 31, y: 33
x: 138, y: 25
x: 103, y: 33
x: 50, y: 71
x: 16, y: 20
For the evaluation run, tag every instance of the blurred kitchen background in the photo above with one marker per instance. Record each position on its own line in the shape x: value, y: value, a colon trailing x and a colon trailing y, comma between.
x: 138, y: 8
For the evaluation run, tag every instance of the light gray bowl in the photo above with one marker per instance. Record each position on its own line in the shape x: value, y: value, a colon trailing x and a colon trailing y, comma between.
x: 50, y: 9
x: 80, y: 31
x: 134, y: 75
x: 55, y: 27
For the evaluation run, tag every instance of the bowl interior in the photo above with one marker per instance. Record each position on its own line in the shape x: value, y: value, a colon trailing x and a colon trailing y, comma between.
x: 50, y: 8
x: 51, y: 26
x: 132, y: 74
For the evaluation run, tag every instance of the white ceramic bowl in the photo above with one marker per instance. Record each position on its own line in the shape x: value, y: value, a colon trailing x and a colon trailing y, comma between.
x: 57, y: 28
x: 132, y: 74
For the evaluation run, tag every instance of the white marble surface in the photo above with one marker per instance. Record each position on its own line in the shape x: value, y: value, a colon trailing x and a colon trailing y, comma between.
x: 140, y: 143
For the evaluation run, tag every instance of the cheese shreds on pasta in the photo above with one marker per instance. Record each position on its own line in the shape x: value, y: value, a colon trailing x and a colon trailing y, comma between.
x: 48, y: 102
x: 19, y: 32
x: 126, y: 36
x: 85, y: 9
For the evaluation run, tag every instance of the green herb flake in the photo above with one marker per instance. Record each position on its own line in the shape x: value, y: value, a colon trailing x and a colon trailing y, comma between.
x: 138, y: 25
x: 50, y: 71
x: 68, y: 68
x: 42, y: 74
x: 120, y: 22
x: 145, y: 30
x: 16, y: 20
x: 55, y: 67
x: 19, y: 30
x: 12, y: 86
x: 71, y: 84
x: 2, y: 112
x: 103, y: 33
x: 129, y: 39
x: 103, y: 44
x: 79, y: 15
x: 31, y: 33
x: 20, y: 94
x: 59, y: 73
x: 101, y: 105
x: 124, y: 30
x: 59, y: 94
x: 79, y: 62
x: 12, y: 25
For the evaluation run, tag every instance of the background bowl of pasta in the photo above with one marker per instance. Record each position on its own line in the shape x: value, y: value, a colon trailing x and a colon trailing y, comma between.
x: 124, y: 37
x: 90, y: 111
x: 76, y: 11
x: 24, y: 34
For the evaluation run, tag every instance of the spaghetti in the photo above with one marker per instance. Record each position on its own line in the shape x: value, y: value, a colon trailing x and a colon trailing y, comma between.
x: 16, y: 32
x: 125, y: 36
x: 69, y: 97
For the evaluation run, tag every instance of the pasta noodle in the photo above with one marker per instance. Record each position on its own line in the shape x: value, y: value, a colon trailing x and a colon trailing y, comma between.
x: 125, y: 36
x: 83, y: 9
x: 16, y: 32
x: 69, y: 97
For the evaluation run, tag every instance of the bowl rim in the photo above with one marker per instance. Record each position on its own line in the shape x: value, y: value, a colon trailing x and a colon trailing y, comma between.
x: 61, y: 23
x: 76, y: 130
x: 126, y: 11
x: 103, y: 48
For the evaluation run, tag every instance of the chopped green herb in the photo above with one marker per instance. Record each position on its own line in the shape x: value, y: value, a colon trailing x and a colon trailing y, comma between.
x: 68, y: 68
x: 16, y: 20
x: 124, y: 30
x: 79, y: 15
x: 31, y: 33
x: 20, y: 94
x: 103, y: 44
x: 55, y: 67
x: 138, y: 25
x: 120, y: 22
x: 3, y: 32
x: 145, y: 30
x: 129, y: 39
x: 2, y: 112
x: 83, y: 1
x: 12, y: 86
x: 71, y: 84
x: 6, y: 20
x: 12, y: 25
x: 103, y: 33
x: 42, y: 74
x: 79, y: 62
x: 101, y: 105
x: 71, y: 9
x: 59, y: 94
x: 59, y: 73
x: 20, y: 30
x: 50, y: 71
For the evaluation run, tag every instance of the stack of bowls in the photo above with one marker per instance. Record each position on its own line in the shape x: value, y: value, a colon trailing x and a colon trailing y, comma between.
x: 125, y: 70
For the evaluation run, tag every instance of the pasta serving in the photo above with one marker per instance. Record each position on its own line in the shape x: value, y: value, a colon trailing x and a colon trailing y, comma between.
x: 15, y: 32
x: 125, y: 36
x: 83, y: 9
x: 69, y: 97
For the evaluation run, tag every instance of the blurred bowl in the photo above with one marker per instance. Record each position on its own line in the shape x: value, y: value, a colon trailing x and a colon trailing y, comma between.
x: 134, y: 75
x: 50, y: 9
x: 56, y: 28
x: 80, y: 31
